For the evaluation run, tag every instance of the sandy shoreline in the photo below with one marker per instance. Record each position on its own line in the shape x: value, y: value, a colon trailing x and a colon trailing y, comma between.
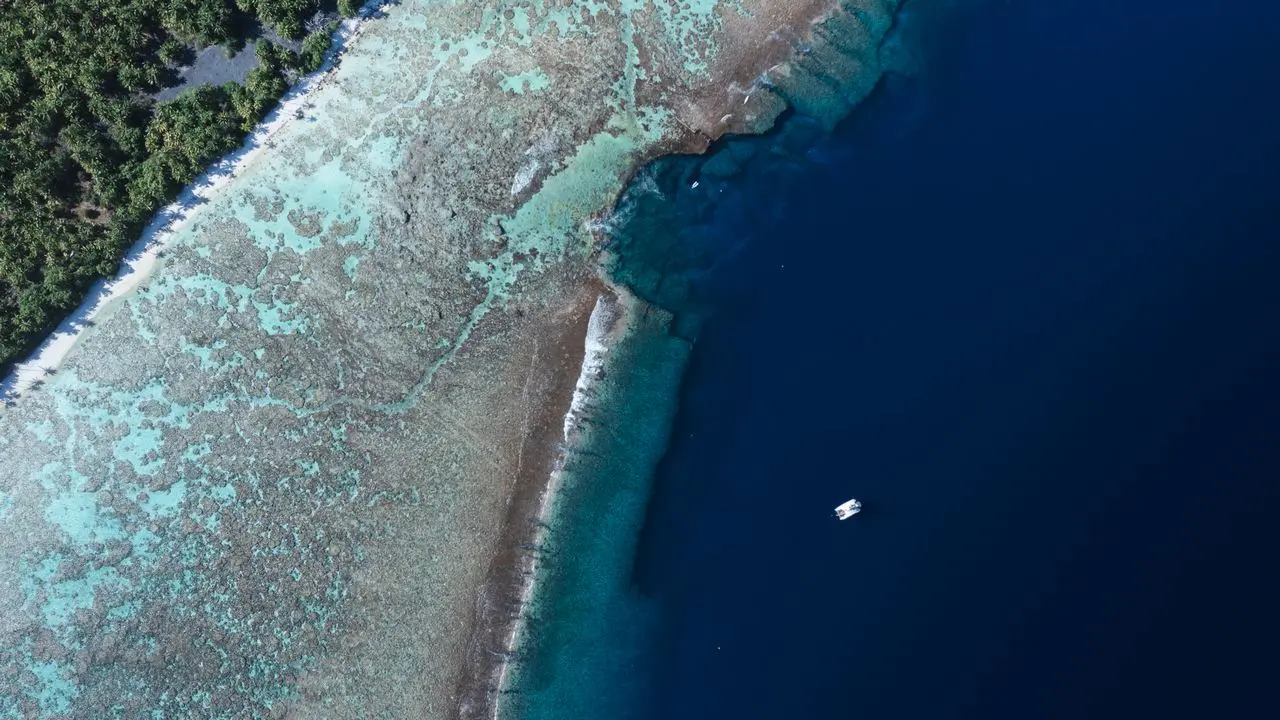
x: 143, y: 257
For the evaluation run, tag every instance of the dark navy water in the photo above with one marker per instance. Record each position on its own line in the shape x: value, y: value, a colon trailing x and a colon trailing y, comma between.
x: 1024, y: 304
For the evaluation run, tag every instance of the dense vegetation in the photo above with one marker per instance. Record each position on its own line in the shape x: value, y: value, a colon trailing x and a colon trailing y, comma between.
x: 86, y: 157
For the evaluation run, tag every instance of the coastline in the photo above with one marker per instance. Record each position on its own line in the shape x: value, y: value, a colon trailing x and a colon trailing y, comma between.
x: 521, y: 567
x: 143, y: 258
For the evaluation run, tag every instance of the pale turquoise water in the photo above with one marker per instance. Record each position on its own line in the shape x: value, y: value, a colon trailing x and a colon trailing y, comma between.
x: 586, y: 630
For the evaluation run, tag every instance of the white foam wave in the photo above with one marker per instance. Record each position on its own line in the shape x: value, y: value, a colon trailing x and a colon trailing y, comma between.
x: 597, y: 346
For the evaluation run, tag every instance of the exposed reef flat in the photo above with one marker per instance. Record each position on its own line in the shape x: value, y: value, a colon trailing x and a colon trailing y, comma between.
x: 271, y: 481
x: 583, y: 644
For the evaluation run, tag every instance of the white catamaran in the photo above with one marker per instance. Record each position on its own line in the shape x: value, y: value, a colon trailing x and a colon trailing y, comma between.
x: 846, y: 510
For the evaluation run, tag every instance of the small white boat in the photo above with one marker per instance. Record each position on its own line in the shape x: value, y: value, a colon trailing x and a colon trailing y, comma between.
x: 846, y: 510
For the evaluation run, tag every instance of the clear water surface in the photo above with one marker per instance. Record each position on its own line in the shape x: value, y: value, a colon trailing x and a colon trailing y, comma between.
x: 1024, y: 305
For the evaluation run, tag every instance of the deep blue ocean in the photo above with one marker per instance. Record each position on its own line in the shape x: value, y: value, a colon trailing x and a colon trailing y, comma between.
x: 1025, y: 304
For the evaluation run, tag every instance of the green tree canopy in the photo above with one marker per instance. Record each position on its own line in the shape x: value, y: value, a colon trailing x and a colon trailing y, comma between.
x: 86, y: 157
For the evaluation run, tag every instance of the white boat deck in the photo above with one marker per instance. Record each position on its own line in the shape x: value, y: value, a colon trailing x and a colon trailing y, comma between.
x: 848, y: 509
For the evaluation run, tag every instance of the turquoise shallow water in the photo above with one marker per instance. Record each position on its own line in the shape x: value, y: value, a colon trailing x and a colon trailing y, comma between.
x: 590, y: 642
x: 588, y: 646
x: 583, y: 595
